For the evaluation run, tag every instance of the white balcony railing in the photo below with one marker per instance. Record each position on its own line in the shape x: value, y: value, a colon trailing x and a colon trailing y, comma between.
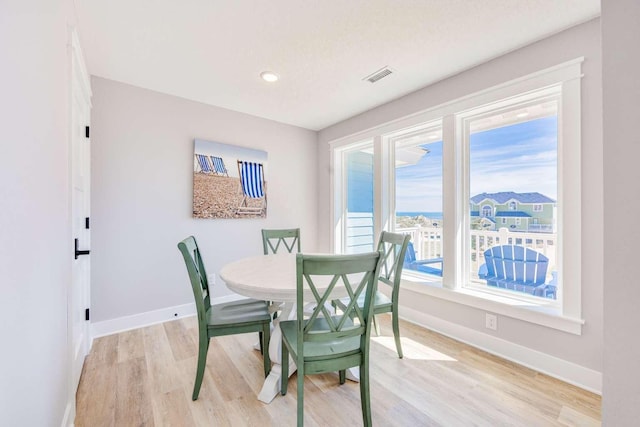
x: 427, y: 242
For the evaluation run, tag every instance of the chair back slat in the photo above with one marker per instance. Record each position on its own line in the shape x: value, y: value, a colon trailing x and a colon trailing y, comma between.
x: 318, y: 279
x: 288, y: 238
x: 251, y: 179
x: 197, y: 275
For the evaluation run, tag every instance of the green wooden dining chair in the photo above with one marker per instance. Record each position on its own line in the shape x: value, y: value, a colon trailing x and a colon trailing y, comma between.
x: 393, y: 247
x: 288, y: 238
x: 271, y: 240
x: 236, y: 317
x: 326, y: 342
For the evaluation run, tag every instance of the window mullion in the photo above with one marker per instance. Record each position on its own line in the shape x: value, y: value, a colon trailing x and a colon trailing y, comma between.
x: 381, y: 207
x: 452, y: 238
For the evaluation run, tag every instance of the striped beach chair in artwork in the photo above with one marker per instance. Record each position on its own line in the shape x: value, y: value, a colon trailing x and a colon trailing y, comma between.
x: 218, y: 166
x: 204, y: 164
x: 252, y: 187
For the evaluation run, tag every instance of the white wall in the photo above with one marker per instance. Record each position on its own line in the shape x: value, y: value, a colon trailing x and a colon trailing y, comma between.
x: 621, y: 87
x: 141, y: 207
x: 584, y: 40
x: 36, y: 248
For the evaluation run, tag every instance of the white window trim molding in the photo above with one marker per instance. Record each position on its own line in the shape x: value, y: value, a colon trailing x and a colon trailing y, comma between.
x: 566, y: 314
x: 516, y: 308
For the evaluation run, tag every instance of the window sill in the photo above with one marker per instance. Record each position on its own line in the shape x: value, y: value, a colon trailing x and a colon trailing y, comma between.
x: 527, y: 311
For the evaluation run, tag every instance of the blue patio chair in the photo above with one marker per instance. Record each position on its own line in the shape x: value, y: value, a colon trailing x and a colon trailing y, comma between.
x: 422, y: 266
x: 517, y: 268
x: 218, y: 166
x: 204, y: 164
x: 252, y: 188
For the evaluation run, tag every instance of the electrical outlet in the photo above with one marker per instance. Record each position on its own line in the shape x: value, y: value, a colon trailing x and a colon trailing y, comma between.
x: 491, y: 322
x: 212, y: 279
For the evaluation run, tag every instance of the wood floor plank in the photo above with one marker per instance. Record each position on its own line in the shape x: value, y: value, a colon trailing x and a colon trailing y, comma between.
x: 172, y: 409
x: 162, y: 372
x: 130, y: 345
x: 96, y: 396
x: 134, y: 403
x: 145, y: 378
x: 183, y: 344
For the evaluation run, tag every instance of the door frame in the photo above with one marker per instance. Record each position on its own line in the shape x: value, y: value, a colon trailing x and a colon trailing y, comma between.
x: 79, y: 81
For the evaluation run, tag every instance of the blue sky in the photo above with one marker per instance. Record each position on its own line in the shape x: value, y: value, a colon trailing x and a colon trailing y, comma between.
x: 520, y: 158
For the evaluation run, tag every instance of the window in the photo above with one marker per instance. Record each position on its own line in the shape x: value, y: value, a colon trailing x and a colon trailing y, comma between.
x: 357, y: 220
x: 417, y: 154
x: 467, y: 178
x: 513, y: 153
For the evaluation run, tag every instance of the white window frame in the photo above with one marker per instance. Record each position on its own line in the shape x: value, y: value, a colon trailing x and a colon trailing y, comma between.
x: 538, y: 207
x: 563, y: 314
x: 339, y: 202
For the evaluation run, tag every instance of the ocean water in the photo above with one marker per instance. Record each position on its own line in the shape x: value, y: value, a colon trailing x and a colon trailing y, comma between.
x: 432, y: 215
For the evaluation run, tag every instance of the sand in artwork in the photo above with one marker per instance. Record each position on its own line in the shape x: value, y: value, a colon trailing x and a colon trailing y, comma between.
x: 217, y: 196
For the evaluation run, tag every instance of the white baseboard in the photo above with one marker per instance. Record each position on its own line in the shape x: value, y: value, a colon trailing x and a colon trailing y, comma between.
x: 68, y: 418
x: 135, y: 321
x: 569, y: 372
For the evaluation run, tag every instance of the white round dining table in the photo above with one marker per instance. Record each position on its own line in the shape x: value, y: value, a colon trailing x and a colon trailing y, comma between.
x: 272, y: 278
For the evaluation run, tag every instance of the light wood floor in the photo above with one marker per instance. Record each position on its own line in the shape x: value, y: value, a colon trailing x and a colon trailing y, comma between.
x: 145, y: 377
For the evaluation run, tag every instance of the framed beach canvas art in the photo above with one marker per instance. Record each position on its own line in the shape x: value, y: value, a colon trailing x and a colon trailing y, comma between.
x: 228, y: 181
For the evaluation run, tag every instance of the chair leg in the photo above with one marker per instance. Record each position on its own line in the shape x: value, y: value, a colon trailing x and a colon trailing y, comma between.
x: 300, y: 374
x: 396, y: 331
x: 376, y: 325
x: 284, y: 379
x: 202, y: 361
x: 264, y: 344
x: 260, y: 338
x: 343, y: 375
x: 365, y: 396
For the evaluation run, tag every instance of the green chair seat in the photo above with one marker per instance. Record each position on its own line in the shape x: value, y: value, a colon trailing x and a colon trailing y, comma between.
x: 238, y: 313
x: 229, y: 318
x: 320, y: 350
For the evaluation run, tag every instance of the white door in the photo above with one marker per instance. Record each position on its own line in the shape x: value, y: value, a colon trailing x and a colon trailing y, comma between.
x: 78, y: 294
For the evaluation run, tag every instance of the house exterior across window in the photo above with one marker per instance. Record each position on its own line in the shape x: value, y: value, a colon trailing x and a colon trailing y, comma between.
x: 535, y: 211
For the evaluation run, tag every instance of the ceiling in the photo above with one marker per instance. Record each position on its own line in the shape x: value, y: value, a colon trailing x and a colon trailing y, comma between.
x: 213, y: 51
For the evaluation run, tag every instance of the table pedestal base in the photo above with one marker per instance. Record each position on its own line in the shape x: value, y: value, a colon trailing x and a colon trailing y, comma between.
x: 271, y: 387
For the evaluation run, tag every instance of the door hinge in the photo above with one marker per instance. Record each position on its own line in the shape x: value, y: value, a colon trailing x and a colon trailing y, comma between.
x: 86, y: 314
x: 86, y: 131
x: 86, y: 223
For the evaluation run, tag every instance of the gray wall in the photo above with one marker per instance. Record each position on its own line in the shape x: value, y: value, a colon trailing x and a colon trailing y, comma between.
x: 141, y: 202
x: 35, y: 254
x: 621, y: 87
x: 583, y: 40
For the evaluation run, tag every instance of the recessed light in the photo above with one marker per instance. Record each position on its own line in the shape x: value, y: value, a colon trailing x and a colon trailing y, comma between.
x: 269, y: 76
x: 523, y: 114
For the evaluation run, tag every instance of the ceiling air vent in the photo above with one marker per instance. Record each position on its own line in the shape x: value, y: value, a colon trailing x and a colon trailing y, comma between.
x: 382, y: 73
